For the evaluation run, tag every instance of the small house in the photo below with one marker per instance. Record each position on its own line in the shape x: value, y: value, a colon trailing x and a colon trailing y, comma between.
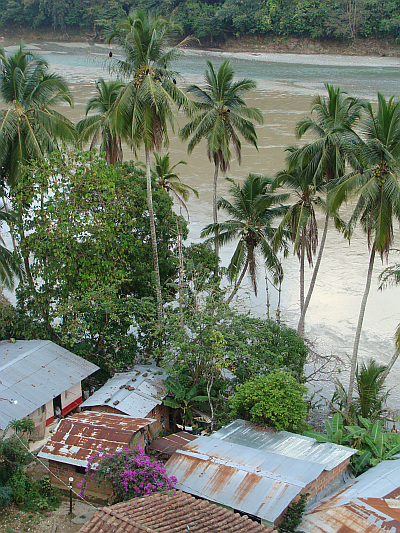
x: 172, y: 513
x: 37, y: 380
x: 88, y: 434
x: 138, y: 393
x: 258, y: 471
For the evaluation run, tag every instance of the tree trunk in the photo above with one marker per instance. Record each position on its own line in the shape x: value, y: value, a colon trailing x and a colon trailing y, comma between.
x: 267, y: 294
x: 392, y: 361
x: 215, y: 215
x: 300, y: 327
x: 153, y: 237
x: 180, y: 271
x: 358, y: 332
x: 302, y: 253
x: 239, y: 281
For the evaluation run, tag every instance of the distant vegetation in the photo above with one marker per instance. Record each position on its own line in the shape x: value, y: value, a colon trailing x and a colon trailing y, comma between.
x: 218, y: 19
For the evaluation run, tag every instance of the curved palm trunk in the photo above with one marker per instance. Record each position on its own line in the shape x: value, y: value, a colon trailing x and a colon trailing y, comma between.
x: 300, y: 327
x: 239, y: 281
x: 392, y: 361
x: 358, y: 332
x: 153, y: 237
x: 302, y: 253
x: 215, y: 215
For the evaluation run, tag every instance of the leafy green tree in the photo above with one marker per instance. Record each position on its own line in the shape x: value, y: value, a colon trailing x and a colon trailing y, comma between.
x: 334, y: 146
x: 145, y: 107
x: 274, y: 400
x: 223, y: 117
x: 30, y: 127
x: 377, y: 187
x: 252, y: 212
x: 182, y: 398
x: 100, y: 127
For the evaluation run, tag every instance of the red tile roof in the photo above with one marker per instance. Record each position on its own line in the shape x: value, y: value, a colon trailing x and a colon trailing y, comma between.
x: 170, y: 513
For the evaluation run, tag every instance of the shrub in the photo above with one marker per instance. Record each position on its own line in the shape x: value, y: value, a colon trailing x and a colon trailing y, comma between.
x: 275, y: 400
x: 130, y: 472
x: 6, y: 496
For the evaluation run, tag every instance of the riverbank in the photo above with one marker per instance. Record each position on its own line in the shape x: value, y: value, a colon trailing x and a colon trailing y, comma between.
x: 249, y: 44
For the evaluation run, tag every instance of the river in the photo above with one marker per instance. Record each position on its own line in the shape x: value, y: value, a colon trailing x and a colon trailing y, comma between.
x: 286, y: 85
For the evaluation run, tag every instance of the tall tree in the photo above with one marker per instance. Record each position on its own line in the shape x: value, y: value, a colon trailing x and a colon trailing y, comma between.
x: 252, y: 211
x: 222, y: 117
x: 378, y: 189
x: 145, y: 106
x: 334, y: 146
x: 29, y: 126
x: 9, y: 266
x: 100, y: 127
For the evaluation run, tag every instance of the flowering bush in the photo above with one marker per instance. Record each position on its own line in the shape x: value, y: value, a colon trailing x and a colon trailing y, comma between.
x: 130, y: 472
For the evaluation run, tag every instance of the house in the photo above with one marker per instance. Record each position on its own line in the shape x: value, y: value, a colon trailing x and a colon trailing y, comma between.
x: 138, y: 393
x: 88, y: 434
x: 172, y: 513
x: 36, y: 378
x: 370, y: 504
x: 258, y: 471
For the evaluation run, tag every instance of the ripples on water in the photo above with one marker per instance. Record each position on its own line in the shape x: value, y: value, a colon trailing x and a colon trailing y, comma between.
x: 286, y: 84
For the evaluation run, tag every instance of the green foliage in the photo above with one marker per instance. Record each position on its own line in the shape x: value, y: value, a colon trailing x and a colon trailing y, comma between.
x: 373, y: 442
x: 6, y: 496
x: 13, y: 455
x: 87, y: 246
x: 274, y: 400
x: 183, y: 398
x: 35, y: 495
x: 294, y: 515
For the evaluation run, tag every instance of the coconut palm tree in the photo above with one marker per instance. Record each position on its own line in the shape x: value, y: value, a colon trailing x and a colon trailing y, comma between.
x: 9, y: 266
x: 376, y: 184
x: 145, y: 106
x: 252, y: 211
x: 300, y: 219
x: 332, y: 125
x: 29, y: 126
x: 100, y: 127
x: 223, y: 117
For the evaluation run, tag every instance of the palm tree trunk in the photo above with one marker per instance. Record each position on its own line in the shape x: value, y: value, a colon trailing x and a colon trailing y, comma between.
x: 215, y: 215
x: 267, y: 293
x: 153, y: 237
x: 389, y: 367
x: 302, y: 253
x: 278, y: 308
x: 300, y: 327
x: 358, y: 332
x: 180, y: 271
x: 239, y: 281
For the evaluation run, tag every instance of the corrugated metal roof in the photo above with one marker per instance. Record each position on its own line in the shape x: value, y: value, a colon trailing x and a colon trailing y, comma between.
x: 249, y: 480
x: 171, y: 443
x: 135, y: 393
x: 33, y: 373
x: 370, y: 504
x: 284, y: 443
x: 86, y: 434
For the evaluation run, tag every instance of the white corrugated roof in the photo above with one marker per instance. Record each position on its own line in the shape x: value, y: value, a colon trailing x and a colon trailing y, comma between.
x: 134, y: 393
x: 35, y: 372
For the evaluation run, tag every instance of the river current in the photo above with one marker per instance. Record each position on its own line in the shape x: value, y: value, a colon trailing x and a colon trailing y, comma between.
x: 286, y: 85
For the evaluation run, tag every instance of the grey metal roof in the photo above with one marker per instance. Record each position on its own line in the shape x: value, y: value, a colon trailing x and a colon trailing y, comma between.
x: 33, y: 373
x: 134, y: 393
x: 284, y: 443
x: 253, y: 481
x: 370, y: 503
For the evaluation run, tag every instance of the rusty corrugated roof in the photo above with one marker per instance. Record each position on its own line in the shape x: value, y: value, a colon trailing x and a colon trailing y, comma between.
x: 171, y: 443
x: 370, y: 504
x: 172, y: 513
x: 253, y: 481
x: 86, y: 434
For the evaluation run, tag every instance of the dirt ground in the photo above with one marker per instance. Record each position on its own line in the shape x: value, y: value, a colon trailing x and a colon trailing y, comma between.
x: 15, y: 520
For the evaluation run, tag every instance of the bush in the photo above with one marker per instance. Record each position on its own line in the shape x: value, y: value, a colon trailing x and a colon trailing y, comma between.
x: 130, y: 472
x: 6, y: 496
x: 274, y: 400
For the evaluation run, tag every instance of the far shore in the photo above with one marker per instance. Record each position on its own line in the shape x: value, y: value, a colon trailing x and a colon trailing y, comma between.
x: 250, y: 44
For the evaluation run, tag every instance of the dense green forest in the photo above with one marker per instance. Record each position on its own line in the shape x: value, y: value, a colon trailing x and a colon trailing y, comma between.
x: 216, y: 20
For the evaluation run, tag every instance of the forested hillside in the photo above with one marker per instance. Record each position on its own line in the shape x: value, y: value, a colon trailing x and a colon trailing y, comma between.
x: 217, y: 20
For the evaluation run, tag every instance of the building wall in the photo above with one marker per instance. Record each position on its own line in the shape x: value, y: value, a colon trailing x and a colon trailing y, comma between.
x: 70, y: 399
x: 60, y: 479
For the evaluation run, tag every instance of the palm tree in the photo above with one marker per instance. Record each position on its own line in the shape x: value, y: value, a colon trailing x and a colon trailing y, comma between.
x: 300, y: 219
x: 222, y: 117
x: 100, y: 127
x: 335, y: 118
x: 144, y: 107
x: 252, y: 212
x: 29, y: 126
x: 378, y: 189
x: 168, y: 180
x: 9, y: 266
